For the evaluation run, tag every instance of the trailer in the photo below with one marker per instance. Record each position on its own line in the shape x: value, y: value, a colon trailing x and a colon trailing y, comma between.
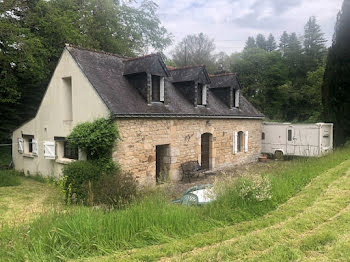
x: 297, y: 139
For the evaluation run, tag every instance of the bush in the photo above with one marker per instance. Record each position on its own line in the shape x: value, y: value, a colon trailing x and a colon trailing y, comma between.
x: 96, y: 138
x: 115, y: 191
x: 255, y: 188
x: 9, y: 178
x: 76, y: 177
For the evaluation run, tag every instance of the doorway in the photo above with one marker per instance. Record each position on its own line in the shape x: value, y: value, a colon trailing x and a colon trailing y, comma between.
x: 206, y: 150
x: 162, y: 163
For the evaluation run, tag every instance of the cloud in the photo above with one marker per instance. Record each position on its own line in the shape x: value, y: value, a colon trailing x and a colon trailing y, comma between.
x: 230, y: 22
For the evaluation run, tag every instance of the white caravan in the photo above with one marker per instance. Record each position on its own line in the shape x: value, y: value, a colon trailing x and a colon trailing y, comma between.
x: 297, y: 139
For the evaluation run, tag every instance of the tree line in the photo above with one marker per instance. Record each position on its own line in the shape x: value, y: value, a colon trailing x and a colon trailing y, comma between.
x: 33, y: 34
x: 283, y: 79
x: 297, y: 79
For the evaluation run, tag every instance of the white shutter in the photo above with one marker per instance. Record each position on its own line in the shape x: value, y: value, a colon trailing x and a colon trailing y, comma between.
x: 204, y: 95
x: 20, y: 145
x: 49, y: 150
x: 162, y: 86
x: 237, y: 98
x: 34, y: 147
x: 246, y: 142
x: 235, y: 142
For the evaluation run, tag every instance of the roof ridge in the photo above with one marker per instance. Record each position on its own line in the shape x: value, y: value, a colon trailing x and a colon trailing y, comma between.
x: 96, y: 51
x: 224, y: 74
x: 186, y: 67
x: 140, y: 57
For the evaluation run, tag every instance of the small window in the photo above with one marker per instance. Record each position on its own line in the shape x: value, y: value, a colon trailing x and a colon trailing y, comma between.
x: 289, y: 135
x: 28, y: 143
x: 200, y: 94
x: 240, y: 141
x: 155, y: 88
x: 262, y: 136
x: 236, y: 98
x: 70, y: 151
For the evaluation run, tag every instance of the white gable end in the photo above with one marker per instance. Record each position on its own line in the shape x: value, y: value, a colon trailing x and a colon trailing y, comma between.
x: 69, y: 99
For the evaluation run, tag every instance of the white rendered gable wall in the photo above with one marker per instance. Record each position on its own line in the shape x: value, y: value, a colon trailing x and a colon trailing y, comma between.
x: 50, y: 119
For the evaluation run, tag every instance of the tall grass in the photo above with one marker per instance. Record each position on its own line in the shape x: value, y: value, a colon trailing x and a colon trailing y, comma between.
x: 9, y: 178
x: 5, y: 156
x: 82, y: 232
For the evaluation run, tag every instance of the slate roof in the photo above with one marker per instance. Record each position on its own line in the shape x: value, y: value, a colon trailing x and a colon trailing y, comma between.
x: 190, y: 73
x: 224, y: 80
x: 105, y: 72
x: 149, y: 64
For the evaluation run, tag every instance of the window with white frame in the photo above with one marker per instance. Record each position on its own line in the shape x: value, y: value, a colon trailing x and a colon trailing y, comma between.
x: 158, y: 85
x: 29, y: 145
x: 240, y: 141
x: 201, y: 94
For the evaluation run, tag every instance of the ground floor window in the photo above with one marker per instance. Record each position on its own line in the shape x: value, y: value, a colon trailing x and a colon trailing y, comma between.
x: 28, y: 143
x: 65, y: 150
x: 240, y: 141
x: 70, y: 151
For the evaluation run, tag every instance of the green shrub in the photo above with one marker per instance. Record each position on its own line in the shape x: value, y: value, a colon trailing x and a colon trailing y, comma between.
x: 96, y: 138
x: 106, y: 165
x: 254, y: 188
x: 115, y: 191
x: 9, y: 178
x: 76, y: 177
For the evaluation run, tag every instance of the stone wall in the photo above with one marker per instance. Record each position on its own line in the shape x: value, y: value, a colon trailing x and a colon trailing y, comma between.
x: 136, y: 151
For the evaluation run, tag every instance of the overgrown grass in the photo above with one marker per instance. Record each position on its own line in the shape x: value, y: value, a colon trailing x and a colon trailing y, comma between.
x: 5, y: 156
x: 9, y: 178
x: 84, y: 232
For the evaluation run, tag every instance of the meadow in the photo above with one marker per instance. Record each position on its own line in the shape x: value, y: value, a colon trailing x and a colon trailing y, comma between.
x: 304, y: 219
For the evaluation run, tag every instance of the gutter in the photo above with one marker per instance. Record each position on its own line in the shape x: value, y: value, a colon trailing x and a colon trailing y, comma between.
x: 184, y: 116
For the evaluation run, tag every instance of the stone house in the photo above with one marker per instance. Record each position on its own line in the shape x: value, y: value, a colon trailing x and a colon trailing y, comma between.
x: 165, y: 116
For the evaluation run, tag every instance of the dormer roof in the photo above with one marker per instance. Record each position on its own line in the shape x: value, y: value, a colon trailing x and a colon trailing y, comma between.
x: 190, y: 73
x: 152, y: 64
x: 225, y: 80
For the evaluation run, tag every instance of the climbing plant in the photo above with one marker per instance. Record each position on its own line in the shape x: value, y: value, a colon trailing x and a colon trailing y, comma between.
x: 96, y: 138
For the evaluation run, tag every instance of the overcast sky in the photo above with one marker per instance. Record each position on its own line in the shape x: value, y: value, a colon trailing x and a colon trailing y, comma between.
x: 230, y: 22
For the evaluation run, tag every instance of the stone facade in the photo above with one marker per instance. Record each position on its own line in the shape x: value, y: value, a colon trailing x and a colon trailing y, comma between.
x: 136, y: 151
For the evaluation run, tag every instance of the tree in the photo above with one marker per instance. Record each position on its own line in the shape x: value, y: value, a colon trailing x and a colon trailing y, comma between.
x: 271, y: 44
x: 195, y: 50
x: 261, y: 41
x: 250, y: 43
x: 33, y: 34
x: 222, y: 63
x: 293, y: 55
x: 284, y: 42
x: 314, y: 44
x: 261, y: 73
x: 335, y: 88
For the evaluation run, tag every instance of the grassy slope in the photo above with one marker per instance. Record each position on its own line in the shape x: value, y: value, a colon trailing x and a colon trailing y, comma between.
x: 154, y: 229
x: 313, y: 226
x: 25, y: 202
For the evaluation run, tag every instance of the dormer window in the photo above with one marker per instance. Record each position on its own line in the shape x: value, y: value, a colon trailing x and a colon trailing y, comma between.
x: 237, y: 98
x: 157, y: 88
x: 201, y: 94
